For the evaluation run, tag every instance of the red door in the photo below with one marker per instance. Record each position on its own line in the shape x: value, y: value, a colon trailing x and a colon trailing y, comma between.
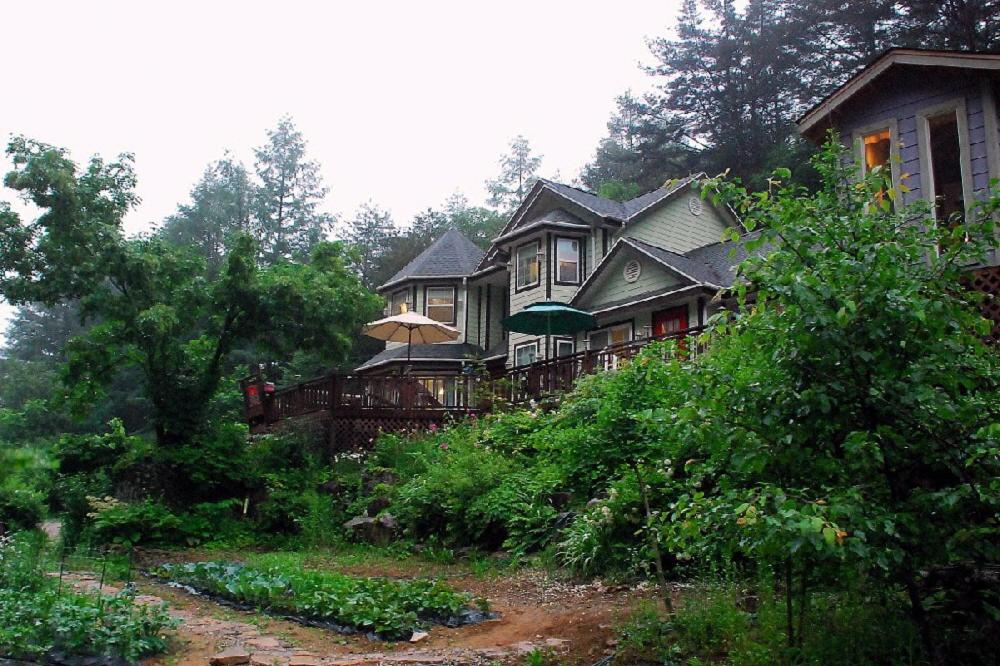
x: 671, y: 320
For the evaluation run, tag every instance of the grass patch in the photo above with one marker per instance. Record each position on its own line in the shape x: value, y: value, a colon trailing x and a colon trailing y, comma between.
x: 723, y: 624
x: 390, y: 609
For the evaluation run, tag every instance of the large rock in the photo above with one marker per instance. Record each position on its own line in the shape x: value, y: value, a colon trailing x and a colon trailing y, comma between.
x: 379, y: 530
x: 231, y: 656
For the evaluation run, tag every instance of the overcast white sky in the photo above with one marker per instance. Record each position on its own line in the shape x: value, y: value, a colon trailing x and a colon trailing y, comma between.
x: 401, y: 102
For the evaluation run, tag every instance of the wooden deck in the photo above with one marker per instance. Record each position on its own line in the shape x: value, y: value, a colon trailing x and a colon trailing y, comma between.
x: 376, y: 403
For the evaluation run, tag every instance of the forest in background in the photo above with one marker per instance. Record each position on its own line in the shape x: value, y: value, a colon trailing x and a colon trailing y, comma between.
x: 729, y: 83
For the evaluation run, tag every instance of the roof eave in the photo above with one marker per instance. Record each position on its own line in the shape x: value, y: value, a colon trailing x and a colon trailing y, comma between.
x: 813, y: 118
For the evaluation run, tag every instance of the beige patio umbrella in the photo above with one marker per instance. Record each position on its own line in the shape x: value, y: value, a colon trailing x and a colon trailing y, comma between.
x: 410, y: 327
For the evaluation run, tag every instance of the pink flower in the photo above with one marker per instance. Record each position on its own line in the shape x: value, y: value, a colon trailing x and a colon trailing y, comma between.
x: 433, y: 427
x: 443, y: 446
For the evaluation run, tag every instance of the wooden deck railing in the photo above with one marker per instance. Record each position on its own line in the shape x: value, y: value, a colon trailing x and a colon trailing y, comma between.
x: 430, y: 394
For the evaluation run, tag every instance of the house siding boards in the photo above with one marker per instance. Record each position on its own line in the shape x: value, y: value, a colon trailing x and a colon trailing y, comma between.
x: 673, y: 227
x: 612, y: 286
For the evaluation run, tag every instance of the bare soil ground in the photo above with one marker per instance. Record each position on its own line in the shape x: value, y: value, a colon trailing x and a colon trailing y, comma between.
x: 573, y: 623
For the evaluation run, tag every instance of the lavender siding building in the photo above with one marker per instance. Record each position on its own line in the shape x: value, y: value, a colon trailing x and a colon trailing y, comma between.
x: 930, y: 115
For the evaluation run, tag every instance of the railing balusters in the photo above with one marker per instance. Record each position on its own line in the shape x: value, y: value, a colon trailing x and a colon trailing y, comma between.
x: 455, y: 393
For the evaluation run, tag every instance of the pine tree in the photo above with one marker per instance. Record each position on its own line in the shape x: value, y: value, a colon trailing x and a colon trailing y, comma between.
x: 287, y: 213
x: 372, y: 233
x: 518, y: 172
x: 219, y: 208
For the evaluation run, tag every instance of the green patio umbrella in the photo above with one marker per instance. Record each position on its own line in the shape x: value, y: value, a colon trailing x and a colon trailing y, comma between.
x: 550, y: 318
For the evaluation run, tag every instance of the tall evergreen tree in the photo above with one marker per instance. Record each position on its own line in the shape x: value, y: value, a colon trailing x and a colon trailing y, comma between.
x: 220, y: 208
x: 518, y: 172
x: 642, y: 150
x: 287, y: 212
x: 373, y: 234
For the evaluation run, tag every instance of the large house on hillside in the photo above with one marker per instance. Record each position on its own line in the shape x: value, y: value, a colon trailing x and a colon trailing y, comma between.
x: 652, y: 265
x: 644, y: 267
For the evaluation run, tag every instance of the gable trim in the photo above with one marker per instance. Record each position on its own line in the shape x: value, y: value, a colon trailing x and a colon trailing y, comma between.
x: 875, y: 69
x: 646, y: 299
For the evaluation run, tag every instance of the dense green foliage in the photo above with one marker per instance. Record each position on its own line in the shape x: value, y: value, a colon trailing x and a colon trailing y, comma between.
x: 391, y: 609
x: 37, y: 617
x: 838, y: 436
x: 741, y: 627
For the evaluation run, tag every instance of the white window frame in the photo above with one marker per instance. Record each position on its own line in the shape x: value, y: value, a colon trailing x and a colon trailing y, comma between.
x: 579, y: 260
x: 454, y: 302
x: 564, y: 341
x: 537, y: 244
x: 956, y: 106
x: 525, y: 345
x: 392, y: 301
x: 858, y: 139
x: 608, y: 330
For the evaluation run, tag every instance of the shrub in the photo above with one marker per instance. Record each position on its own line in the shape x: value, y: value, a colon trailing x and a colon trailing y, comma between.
x: 20, y: 509
x: 37, y: 618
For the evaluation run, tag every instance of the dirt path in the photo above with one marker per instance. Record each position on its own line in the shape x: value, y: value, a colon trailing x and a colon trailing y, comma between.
x: 572, y: 622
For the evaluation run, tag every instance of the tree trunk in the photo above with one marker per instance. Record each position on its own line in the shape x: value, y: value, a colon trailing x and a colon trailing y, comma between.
x: 654, y: 541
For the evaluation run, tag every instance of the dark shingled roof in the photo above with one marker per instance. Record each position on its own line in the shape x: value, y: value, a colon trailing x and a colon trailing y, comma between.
x: 724, y: 256
x: 642, y: 202
x: 694, y: 268
x: 451, y: 255
x: 442, y: 352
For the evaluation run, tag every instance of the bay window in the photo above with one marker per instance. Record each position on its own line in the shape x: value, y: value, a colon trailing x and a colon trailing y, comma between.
x: 568, y: 260
x: 526, y: 265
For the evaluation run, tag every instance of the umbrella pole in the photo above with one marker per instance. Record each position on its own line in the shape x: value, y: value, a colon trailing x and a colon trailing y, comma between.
x: 409, y: 349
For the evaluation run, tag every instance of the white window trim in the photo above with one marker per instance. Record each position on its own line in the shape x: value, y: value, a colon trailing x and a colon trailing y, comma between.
x: 523, y: 345
x: 956, y: 106
x: 608, y: 330
x: 517, y: 266
x: 895, y: 162
x: 579, y: 260
x: 563, y: 341
x: 454, y: 304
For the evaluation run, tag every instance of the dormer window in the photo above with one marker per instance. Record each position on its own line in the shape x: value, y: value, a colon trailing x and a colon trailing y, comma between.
x: 567, y: 261
x: 440, y: 304
x: 527, y: 265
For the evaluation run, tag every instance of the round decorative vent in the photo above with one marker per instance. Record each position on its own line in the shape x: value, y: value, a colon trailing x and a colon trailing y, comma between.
x: 632, y: 270
x: 695, y: 205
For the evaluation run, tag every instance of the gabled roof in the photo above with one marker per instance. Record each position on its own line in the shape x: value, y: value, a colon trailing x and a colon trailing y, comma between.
x: 614, y: 212
x: 814, y: 117
x: 711, y: 266
x: 693, y: 269
x: 450, y: 256
x: 442, y: 352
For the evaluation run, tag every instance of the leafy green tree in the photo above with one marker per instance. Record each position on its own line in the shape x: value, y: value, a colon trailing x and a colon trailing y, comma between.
x: 287, y: 216
x: 847, y: 422
x: 153, y: 304
x: 219, y: 210
x: 518, y: 172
